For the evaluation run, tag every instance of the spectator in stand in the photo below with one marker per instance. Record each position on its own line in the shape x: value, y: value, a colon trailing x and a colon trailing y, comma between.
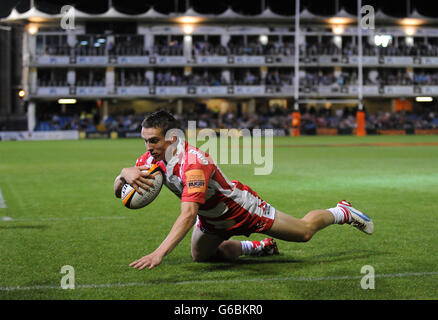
x: 274, y: 118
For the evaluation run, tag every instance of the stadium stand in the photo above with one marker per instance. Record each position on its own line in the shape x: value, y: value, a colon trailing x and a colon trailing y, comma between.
x: 141, y: 63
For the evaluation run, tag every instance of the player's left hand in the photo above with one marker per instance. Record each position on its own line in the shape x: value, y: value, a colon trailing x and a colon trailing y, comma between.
x: 151, y: 260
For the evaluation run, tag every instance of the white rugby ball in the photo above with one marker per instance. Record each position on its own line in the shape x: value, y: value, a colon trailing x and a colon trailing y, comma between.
x: 134, y: 200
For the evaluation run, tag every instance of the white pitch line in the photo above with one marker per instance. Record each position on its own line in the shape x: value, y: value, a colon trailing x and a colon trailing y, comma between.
x: 144, y: 284
x: 65, y: 219
x: 2, y: 201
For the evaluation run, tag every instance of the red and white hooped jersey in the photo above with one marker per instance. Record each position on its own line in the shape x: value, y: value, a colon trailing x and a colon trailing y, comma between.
x: 226, y: 207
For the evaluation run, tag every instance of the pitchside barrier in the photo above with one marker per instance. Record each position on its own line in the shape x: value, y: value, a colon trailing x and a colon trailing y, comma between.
x: 136, y: 134
x: 75, y: 135
x: 276, y: 132
x: 39, y: 135
x: 352, y: 131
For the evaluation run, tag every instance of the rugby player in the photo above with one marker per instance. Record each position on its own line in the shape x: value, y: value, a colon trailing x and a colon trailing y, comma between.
x: 219, y: 208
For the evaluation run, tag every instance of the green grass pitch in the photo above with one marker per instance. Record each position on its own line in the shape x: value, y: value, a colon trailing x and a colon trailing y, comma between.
x: 60, y: 210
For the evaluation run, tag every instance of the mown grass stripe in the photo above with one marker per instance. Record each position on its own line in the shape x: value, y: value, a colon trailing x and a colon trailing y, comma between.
x: 143, y: 284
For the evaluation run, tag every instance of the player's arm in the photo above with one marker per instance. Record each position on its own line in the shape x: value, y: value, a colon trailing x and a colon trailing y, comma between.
x: 181, y: 227
x: 135, y: 177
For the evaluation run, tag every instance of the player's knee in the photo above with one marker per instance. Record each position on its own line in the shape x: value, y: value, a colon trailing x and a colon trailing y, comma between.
x: 196, y: 257
x: 307, y: 233
x: 202, y: 256
x: 227, y: 251
x: 306, y: 236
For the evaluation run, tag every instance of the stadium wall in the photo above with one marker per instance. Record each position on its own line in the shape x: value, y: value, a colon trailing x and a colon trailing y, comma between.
x: 38, y: 135
x: 76, y: 135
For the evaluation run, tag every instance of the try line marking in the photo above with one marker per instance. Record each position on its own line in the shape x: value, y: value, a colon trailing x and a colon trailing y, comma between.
x: 144, y: 284
x: 9, y: 219
x: 2, y: 201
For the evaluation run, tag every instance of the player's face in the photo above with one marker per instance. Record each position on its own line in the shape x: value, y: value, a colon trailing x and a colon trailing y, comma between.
x: 156, y: 143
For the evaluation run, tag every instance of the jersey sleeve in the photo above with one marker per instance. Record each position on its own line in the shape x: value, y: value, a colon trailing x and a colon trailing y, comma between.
x: 147, y: 158
x: 143, y: 159
x: 195, y: 182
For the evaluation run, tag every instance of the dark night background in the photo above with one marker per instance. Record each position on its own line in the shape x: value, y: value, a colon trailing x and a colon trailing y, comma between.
x: 284, y: 7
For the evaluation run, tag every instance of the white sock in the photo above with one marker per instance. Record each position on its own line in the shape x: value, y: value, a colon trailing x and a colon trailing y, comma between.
x: 250, y: 247
x: 340, y: 215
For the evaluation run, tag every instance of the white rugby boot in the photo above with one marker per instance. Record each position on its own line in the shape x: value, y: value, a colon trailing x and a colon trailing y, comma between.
x: 356, y: 218
x: 268, y: 247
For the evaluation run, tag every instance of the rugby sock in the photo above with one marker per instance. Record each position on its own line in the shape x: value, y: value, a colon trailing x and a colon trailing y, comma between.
x: 341, y: 215
x: 250, y: 247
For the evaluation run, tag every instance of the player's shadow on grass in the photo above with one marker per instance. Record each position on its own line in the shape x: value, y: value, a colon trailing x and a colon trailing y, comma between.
x: 222, y: 265
x: 24, y: 227
x: 344, y: 256
x: 333, y: 257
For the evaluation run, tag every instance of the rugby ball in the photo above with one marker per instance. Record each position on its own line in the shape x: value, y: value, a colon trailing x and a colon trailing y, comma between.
x: 134, y: 200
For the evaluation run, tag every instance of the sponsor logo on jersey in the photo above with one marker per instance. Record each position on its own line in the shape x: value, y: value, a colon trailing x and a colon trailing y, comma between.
x: 199, y: 155
x: 195, y: 181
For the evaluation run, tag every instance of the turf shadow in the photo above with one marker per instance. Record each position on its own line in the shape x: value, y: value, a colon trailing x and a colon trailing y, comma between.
x: 24, y: 227
x: 344, y: 256
x: 220, y: 265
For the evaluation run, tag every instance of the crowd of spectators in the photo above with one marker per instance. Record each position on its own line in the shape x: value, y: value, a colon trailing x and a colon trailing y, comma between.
x: 259, y: 49
x: 84, y: 121
x: 198, y: 77
x: 134, y: 46
x: 402, y: 120
x: 174, y: 48
x: 345, y: 120
x: 397, y: 77
x: 425, y: 78
x: 55, y: 50
x: 265, y: 118
x: 419, y: 50
x: 205, y: 48
x: 352, y: 49
x: 239, y: 76
x: 204, y: 77
x: 90, y: 78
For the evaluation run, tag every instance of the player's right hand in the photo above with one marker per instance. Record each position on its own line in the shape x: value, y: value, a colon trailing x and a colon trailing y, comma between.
x: 137, y: 178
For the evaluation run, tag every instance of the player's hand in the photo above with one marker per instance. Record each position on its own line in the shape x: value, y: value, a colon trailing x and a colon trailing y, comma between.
x: 138, y: 179
x: 150, y: 261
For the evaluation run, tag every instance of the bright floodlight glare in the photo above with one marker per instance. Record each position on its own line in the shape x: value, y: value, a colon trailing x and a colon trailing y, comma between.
x: 32, y: 28
x: 382, y: 40
x: 410, y: 31
x: 337, y: 40
x: 67, y: 101
x: 263, y: 40
x: 188, y: 19
x: 424, y: 99
x: 412, y: 22
x: 188, y: 29
x: 339, y: 20
x: 338, y: 29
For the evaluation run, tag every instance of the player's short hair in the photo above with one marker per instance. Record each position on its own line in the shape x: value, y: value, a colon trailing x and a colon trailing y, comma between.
x: 160, y: 119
